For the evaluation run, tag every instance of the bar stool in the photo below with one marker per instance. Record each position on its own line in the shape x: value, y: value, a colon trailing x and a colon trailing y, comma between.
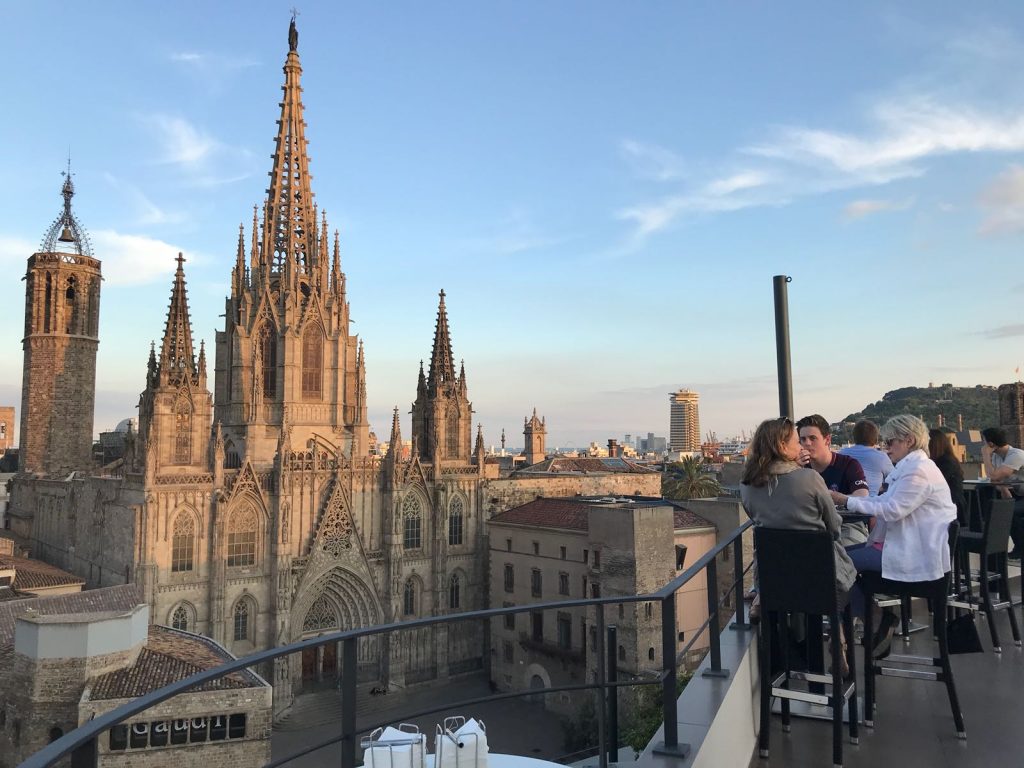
x: 937, y: 592
x: 796, y: 572
x: 991, y: 547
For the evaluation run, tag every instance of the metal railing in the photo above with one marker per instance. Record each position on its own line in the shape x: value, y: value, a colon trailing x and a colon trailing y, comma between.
x: 83, y: 742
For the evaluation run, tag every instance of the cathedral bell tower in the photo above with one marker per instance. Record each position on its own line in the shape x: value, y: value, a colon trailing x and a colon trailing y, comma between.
x: 175, y: 408
x: 534, y: 436
x: 442, y: 414
x: 288, y: 372
x: 62, y: 318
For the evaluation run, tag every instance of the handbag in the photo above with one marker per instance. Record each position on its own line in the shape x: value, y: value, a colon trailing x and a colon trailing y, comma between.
x: 962, y: 635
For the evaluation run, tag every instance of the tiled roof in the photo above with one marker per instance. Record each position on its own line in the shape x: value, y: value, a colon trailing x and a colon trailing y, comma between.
x: 120, y: 598
x: 35, y: 574
x: 170, y: 655
x: 584, y: 466
x: 568, y: 514
x: 571, y: 514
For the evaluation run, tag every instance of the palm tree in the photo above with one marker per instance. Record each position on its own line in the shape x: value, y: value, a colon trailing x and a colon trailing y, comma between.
x: 687, y: 479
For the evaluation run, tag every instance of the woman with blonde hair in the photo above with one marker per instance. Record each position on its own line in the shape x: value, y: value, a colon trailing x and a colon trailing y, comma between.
x: 910, y: 540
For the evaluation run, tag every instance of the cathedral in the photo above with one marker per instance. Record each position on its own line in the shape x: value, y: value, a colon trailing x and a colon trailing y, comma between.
x: 254, y: 512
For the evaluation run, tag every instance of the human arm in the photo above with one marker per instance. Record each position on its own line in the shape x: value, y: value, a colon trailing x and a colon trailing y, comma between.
x: 823, y: 499
x: 903, y: 497
x: 1007, y: 467
x: 854, y: 483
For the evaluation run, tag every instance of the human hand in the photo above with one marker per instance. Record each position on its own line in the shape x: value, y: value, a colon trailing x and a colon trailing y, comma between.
x: 803, y: 458
x: 838, y: 498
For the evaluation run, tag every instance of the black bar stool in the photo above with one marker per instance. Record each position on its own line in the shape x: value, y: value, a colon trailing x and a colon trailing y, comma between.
x: 991, y: 547
x: 937, y: 592
x: 796, y: 572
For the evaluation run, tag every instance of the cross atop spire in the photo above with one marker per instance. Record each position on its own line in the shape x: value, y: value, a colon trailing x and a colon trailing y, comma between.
x: 176, y: 357
x: 442, y: 369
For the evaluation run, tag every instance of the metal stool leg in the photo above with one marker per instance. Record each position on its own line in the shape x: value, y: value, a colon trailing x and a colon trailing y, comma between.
x: 869, y: 665
x: 851, y: 659
x: 836, y: 696
x: 947, y: 677
x: 764, y: 646
x: 986, y: 601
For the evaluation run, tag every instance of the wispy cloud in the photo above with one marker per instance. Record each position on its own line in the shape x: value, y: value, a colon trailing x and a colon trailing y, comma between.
x: 148, y: 213
x: 14, y: 251
x: 903, y: 132
x: 1003, y: 203
x: 858, y: 209
x: 515, y: 234
x: 135, y: 259
x: 1002, y: 331
x: 649, y: 161
x: 204, y: 160
x: 208, y: 61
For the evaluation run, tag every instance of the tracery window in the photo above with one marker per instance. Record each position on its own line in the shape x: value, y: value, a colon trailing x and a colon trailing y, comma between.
x: 412, y: 515
x: 454, y: 591
x: 321, y: 615
x: 452, y: 432
x: 182, y: 431
x: 242, y: 538
x: 268, y: 359
x: 183, y: 543
x: 409, y: 599
x: 455, y: 522
x: 312, y: 363
x: 240, y: 618
x: 179, y: 619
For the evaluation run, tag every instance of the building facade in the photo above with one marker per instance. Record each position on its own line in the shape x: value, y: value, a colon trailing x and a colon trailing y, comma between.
x: 684, y: 421
x: 563, y: 549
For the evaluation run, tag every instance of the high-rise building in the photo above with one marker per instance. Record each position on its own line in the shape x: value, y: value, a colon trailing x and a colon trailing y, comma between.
x: 684, y: 421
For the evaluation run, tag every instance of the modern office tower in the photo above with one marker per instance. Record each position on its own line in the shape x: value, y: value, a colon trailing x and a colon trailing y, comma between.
x: 684, y: 421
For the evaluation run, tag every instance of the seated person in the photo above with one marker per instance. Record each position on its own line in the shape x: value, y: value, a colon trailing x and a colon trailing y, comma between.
x: 875, y: 463
x: 1005, y: 464
x: 840, y: 473
x: 910, y: 540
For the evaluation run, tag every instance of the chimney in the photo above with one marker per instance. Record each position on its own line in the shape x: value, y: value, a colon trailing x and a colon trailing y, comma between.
x: 942, y: 421
x: 959, y: 422
x: 613, y: 448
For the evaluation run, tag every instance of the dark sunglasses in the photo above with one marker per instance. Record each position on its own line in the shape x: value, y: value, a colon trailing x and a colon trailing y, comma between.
x: 891, y: 440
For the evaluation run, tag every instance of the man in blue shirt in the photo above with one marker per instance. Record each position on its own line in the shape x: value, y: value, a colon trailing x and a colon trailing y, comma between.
x: 875, y: 463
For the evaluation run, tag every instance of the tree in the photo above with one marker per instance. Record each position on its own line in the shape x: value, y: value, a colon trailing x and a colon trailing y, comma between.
x: 687, y: 479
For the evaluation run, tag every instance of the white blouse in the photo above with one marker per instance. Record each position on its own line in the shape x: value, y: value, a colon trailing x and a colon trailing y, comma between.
x: 912, y: 518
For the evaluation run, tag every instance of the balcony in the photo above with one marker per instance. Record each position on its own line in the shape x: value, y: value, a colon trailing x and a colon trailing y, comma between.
x: 713, y: 722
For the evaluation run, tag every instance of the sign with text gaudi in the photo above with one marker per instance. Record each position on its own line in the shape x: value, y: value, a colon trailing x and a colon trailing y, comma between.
x: 180, y: 731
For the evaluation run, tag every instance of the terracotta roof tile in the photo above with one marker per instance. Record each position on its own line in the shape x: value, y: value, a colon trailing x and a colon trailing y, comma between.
x: 684, y: 518
x: 170, y: 655
x: 35, y: 574
x: 568, y: 514
x: 120, y: 598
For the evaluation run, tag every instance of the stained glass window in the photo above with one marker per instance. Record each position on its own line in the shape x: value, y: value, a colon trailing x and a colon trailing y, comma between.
x: 412, y: 515
x: 242, y: 538
x: 455, y: 522
x: 183, y: 543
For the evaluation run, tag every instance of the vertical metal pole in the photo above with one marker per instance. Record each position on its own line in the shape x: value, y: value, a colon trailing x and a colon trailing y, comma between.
x: 602, y: 711
x: 713, y: 631
x: 782, y: 344
x: 348, y: 702
x: 737, y: 570
x: 613, y: 696
x: 670, y: 672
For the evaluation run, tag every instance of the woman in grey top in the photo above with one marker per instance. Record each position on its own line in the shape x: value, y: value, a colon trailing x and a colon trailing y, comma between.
x: 779, y: 493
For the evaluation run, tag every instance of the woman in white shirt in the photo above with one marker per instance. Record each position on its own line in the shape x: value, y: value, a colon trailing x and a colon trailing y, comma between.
x: 910, y: 540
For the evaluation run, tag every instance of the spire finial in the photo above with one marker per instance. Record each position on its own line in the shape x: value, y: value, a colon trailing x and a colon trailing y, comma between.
x: 293, y: 33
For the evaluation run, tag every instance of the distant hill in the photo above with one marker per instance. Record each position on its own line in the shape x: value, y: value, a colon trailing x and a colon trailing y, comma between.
x: 978, y: 405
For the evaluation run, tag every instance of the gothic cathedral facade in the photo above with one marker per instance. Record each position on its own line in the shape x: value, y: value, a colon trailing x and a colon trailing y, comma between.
x: 257, y: 514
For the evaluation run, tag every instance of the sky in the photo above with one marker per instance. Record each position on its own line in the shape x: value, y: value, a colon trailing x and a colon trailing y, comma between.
x: 604, y: 190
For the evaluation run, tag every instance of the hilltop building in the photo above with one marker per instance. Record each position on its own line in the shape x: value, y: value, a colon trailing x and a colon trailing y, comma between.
x: 684, y: 421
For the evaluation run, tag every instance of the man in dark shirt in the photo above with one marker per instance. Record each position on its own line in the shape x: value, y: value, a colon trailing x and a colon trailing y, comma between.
x: 840, y: 473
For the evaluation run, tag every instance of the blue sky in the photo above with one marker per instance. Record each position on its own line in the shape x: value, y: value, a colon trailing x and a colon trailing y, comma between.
x: 604, y: 190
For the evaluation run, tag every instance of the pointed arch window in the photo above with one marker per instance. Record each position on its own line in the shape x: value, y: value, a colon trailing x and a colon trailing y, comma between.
x: 70, y: 306
x: 268, y: 359
x: 409, y: 598
x: 454, y: 592
x: 321, y: 615
x: 241, y: 620
x: 412, y: 515
x: 242, y: 538
x: 182, y: 430
x: 183, y: 543
x: 455, y: 522
x: 312, y: 363
x: 179, y: 619
x: 48, y: 303
x: 451, y: 431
